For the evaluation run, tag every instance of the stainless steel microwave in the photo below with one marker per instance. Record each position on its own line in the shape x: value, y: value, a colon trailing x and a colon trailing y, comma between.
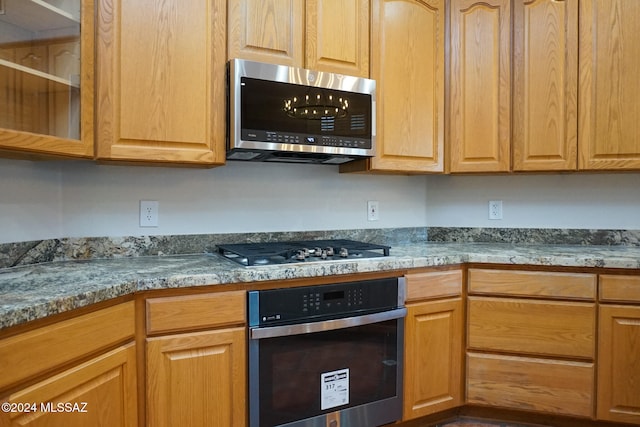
x: 278, y: 113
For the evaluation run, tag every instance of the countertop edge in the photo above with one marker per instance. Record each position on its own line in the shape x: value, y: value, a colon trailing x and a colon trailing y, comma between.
x: 129, y: 276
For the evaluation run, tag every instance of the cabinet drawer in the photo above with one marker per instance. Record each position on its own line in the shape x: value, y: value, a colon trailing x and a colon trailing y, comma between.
x: 433, y: 284
x: 533, y: 283
x: 188, y: 312
x: 554, y: 328
x: 51, y: 346
x: 552, y: 386
x: 620, y: 288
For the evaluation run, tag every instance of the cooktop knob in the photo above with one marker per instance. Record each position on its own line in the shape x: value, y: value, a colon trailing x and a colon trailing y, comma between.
x: 344, y: 252
x: 330, y: 251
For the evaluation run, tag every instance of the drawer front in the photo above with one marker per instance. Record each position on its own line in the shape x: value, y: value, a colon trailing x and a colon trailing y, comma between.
x: 538, y: 327
x: 551, y: 386
x: 189, y: 312
x: 51, y: 346
x: 533, y: 283
x: 620, y: 288
x: 433, y: 284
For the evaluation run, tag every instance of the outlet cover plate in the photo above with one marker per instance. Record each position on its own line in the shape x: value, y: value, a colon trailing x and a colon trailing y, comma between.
x: 495, y: 209
x: 149, y: 213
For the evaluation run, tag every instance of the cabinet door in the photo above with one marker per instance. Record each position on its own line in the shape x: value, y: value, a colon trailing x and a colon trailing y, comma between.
x: 480, y: 107
x: 619, y: 364
x: 408, y: 65
x: 46, y: 90
x: 101, y: 392
x: 609, y: 120
x: 433, y: 357
x: 197, y: 379
x: 160, y: 85
x: 337, y: 36
x: 267, y: 31
x: 545, y: 85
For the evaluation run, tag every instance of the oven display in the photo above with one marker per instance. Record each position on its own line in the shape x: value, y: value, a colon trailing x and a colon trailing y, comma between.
x: 329, y: 296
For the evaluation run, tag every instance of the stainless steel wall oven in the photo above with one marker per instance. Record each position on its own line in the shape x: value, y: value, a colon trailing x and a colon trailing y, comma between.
x: 327, y: 355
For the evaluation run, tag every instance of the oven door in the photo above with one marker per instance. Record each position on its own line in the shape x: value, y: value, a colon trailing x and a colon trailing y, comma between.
x: 300, y: 373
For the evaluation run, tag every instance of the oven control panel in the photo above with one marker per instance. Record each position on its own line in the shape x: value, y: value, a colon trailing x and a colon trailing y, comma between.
x: 318, y: 302
x: 297, y: 305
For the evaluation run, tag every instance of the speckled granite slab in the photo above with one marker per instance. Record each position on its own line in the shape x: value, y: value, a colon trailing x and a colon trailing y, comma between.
x: 540, y: 236
x: 35, y: 252
x: 33, y: 292
x: 65, y: 249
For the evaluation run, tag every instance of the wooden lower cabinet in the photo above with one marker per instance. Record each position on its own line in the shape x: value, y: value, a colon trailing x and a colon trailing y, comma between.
x: 197, y: 379
x: 533, y: 384
x: 619, y: 364
x: 99, y: 393
x: 433, y: 357
x: 434, y: 336
x: 531, y: 341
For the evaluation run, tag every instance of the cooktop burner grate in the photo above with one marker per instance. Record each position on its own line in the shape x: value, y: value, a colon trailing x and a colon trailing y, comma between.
x: 249, y: 254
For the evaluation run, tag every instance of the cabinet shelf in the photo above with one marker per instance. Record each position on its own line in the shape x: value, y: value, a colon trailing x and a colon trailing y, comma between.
x: 38, y: 80
x: 37, y: 15
x: 46, y: 77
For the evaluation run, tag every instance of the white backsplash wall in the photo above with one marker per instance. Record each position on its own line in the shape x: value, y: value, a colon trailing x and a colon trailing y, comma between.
x: 584, y: 201
x: 44, y: 200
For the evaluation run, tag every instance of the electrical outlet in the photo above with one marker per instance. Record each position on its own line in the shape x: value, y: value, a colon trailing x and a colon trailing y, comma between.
x: 373, y: 210
x: 148, y: 213
x: 495, y: 209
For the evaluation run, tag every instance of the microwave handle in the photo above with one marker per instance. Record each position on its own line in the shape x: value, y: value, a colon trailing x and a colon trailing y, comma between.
x: 325, y: 325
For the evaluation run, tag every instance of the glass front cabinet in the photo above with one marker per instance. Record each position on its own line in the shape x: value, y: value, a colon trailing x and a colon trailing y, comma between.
x: 46, y: 77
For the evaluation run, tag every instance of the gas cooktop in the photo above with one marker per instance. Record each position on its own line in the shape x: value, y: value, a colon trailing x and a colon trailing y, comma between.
x: 249, y: 254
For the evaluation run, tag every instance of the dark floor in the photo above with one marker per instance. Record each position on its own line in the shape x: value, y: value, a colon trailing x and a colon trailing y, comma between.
x: 474, y: 423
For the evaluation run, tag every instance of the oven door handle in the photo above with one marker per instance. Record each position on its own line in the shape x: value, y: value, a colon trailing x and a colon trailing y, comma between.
x: 326, y: 325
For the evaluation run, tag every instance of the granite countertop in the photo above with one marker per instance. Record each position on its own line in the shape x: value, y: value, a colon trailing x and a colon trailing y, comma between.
x: 37, y: 291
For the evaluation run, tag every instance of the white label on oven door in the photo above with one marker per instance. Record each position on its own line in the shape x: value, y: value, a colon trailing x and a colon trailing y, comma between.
x: 335, y: 389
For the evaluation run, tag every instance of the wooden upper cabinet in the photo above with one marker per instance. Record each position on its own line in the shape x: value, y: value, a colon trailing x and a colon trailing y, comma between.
x: 337, y: 36
x: 480, y: 86
x: 545, y: 85
x: 267, y: 31
x: 47, y: 78
x: 324, y: 35
x: 408, y: 64
x: 609, y: 120
x: 160, y: 82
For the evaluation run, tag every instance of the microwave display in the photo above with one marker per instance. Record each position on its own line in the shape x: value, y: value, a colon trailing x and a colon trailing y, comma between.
x: 295, y: 114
